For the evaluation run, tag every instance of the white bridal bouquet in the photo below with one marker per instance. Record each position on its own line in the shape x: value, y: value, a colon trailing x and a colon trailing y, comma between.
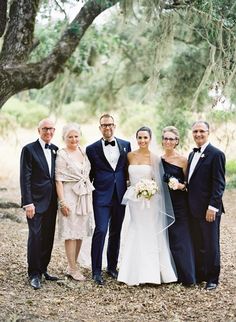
x: 146, y: 188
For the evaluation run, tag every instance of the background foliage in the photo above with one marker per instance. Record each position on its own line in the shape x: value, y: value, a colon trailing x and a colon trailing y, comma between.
x: 146, y: 63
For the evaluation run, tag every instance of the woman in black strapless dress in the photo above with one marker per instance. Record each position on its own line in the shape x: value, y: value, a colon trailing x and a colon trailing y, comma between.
x: 179, y: 233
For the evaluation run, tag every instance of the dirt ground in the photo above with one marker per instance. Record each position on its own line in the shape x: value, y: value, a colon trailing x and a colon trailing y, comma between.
x: 68, y: 300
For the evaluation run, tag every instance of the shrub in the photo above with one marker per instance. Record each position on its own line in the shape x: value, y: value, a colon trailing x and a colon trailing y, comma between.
x: 231, y: 174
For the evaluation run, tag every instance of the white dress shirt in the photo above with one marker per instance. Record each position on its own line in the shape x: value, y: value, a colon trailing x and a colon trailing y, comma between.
x: 195, y: 159
x: 112, y: 153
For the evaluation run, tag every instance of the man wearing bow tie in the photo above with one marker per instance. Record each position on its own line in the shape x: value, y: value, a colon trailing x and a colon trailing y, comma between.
x: 206, y: 184
x: 108, y: 158
x: 39, y: 200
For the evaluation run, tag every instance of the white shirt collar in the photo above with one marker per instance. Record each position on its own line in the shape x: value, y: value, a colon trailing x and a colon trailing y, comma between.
x: 204, y: 146
x: 42, y: 143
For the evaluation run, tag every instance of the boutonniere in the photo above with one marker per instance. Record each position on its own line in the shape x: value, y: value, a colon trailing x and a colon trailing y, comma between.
x: 54, y: 152
x: 124, y: 149
x: 202, y: 155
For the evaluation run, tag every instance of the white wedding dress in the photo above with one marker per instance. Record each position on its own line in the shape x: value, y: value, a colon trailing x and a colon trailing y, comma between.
x: 145, y: 257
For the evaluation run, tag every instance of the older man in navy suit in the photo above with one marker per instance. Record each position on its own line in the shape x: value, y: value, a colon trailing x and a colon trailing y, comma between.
x: 108, y: 158
x: 39, y: 200
x: 206, y: 184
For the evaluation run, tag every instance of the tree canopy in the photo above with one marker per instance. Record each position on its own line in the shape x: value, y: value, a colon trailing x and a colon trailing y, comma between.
x: 184, y: 46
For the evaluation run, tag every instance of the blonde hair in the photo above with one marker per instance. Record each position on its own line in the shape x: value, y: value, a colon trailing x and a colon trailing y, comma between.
x: 171, y: 129
x: 70, y: 127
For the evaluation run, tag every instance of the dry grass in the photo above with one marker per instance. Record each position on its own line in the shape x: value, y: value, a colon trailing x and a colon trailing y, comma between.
x: 68, y: 300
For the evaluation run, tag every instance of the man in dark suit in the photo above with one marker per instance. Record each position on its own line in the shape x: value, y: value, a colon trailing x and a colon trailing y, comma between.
x: 39, y: 200
x: 206, y: 184
x: 108, y: 158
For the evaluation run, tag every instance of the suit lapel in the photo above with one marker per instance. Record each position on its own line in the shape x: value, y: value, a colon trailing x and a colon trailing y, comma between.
x: 203, y: 157
x: 41, y: 156
x: 53, y: 158
x: 122, y: 150
x: 189, y: 163
x: 101, y: 154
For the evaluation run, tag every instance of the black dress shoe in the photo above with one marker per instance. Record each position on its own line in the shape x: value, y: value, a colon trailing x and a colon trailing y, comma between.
x: 49, y: 277
x: 35, y: 282
x: 98, y: 279
x: 112, y: 273
x: 210, y: 286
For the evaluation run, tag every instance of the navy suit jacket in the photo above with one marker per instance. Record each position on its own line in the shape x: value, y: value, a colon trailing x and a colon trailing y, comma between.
x: 207, y: 183
x: 37, y: 185
x: 105, y: 179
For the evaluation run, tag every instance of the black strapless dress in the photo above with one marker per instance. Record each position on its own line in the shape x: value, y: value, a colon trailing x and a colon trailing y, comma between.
x: 179, y: 233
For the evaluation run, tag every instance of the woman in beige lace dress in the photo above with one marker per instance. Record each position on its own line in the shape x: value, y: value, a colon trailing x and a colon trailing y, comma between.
x: 74, y: 191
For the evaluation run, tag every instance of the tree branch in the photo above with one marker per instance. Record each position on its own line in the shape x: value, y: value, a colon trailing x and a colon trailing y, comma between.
x: 14, y: 79
x: 52, y: 64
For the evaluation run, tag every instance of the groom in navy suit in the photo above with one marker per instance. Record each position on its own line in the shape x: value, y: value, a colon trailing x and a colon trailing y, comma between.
x: 206, y: 184
x: 39, y: 200
x: 108, y: 158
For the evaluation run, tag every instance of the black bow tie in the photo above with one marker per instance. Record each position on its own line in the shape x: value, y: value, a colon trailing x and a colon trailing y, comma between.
x: 48, y: 146
x: 197, y: 150
x: 112, y: 143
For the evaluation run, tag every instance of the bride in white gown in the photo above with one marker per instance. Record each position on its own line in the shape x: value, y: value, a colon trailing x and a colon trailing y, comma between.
x: 146, y: 256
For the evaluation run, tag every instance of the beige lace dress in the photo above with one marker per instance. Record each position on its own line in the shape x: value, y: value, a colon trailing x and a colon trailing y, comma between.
x: 77, y: 195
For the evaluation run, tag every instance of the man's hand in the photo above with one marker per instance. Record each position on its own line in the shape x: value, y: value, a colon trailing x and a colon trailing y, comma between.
x: 30, y: 211
x: 210, y: 215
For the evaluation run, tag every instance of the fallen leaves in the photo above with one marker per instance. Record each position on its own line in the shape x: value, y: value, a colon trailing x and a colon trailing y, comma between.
x: 67, y: 300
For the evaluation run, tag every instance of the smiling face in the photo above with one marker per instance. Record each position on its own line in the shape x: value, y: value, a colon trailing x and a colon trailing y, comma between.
x: 143, y: 139
x: 46, y: 130
x: 200, y: 133
x: 107, y: 127
x: 72, y: 140
x: 169, y: 140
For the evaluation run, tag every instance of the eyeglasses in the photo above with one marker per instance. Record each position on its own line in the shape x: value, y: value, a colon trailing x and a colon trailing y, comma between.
x: 169, y: 139
x: 50, y: 129
x: 199, y: 131
x: 107, y: 125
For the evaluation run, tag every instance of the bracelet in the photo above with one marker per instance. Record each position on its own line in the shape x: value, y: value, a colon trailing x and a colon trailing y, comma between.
x: 61, y: 204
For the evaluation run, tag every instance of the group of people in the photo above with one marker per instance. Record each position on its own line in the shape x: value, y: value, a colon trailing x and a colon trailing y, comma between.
x: 173, y: 230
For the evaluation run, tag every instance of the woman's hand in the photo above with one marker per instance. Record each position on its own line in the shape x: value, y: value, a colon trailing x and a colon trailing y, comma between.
x: 65, y: 210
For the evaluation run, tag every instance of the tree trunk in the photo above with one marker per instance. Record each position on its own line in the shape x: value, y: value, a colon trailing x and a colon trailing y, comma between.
x: 16, y: 73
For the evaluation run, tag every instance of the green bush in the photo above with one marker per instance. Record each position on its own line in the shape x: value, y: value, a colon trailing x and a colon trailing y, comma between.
x: 26, y: 114
x: 76, y: 112
x: 231, y: 174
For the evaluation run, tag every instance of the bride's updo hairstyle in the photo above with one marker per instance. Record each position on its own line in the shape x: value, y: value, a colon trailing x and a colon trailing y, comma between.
x: 144, y: 128
x: 173, y: 130
x: 70, y: 127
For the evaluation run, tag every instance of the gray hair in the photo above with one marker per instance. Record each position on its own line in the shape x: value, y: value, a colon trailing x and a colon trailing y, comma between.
x: 70, y: 127
x: 201, y: 122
